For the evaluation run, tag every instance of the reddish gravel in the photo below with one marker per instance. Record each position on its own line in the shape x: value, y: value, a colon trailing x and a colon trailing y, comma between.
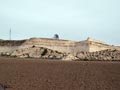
x: 18, y: 74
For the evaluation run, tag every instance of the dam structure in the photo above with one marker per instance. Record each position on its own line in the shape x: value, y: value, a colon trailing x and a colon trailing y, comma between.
x: 67, y: 46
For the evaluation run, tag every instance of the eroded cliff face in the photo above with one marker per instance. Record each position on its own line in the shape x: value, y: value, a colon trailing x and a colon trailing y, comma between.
x: 10, y: 45
x: 45, y: 53
x: 65, y: 46
x: 59, y: 49
x: 54, y: 44
x: 12, y: 42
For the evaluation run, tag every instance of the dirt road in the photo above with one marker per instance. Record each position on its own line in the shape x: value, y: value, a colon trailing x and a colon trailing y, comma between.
x: 59, y: 75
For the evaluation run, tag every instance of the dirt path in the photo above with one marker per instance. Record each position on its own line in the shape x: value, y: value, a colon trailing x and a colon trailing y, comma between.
x: 59, y: 75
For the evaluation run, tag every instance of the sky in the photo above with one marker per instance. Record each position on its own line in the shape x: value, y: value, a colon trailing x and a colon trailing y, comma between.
x: 70, y: 19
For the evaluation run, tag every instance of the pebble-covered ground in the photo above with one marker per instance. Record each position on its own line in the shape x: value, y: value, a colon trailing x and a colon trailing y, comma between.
x: 32, y: 74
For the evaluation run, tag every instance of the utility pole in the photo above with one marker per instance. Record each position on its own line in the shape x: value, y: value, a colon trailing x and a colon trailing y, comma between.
x: 10, y: 34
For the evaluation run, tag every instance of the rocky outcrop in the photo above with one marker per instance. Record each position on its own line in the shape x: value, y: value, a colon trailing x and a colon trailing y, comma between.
x: 69, y: 57
x: 67, y: 46
x: 109, y: 54
x: 45, y: 53
x: 37, y: 52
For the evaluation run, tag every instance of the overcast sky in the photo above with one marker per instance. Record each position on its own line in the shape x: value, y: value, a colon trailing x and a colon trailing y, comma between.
x: 71, y: 19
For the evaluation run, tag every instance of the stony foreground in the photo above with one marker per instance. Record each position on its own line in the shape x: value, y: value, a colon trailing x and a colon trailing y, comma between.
x: 58, y: 75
